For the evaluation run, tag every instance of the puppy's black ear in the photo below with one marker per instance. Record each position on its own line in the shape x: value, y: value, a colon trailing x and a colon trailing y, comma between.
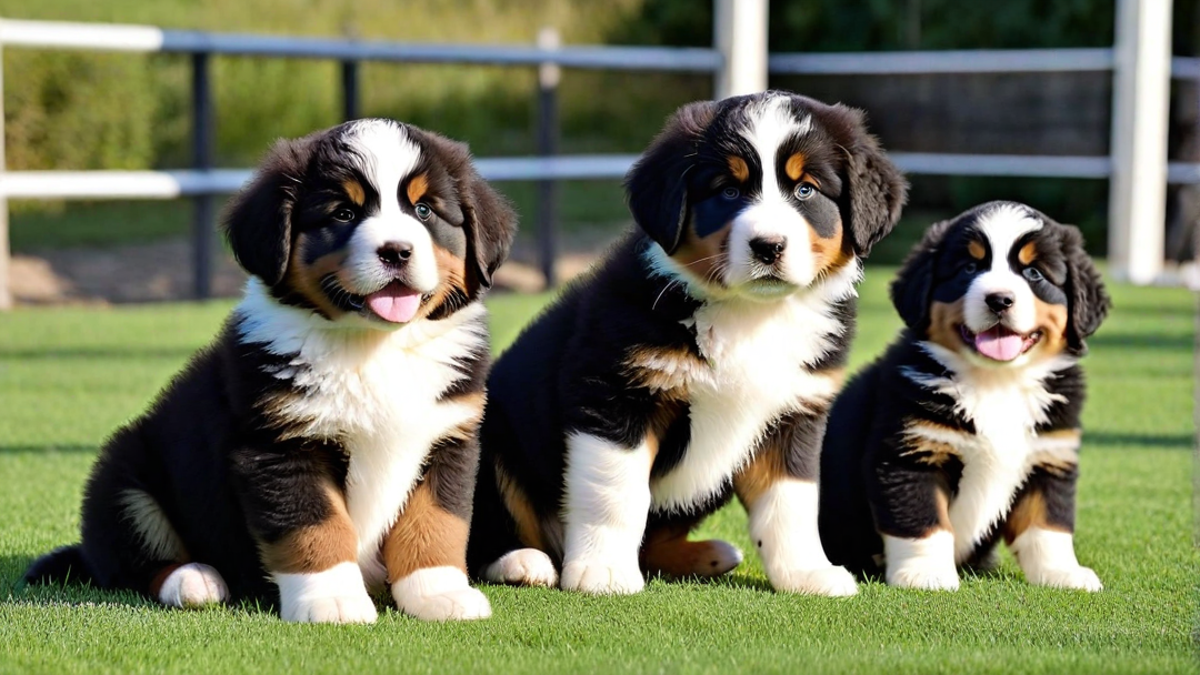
x: 877, y: 190
x: 656, y: 186
x: 258, y: 220
x: 912, y: 289
x: 1088, y: 301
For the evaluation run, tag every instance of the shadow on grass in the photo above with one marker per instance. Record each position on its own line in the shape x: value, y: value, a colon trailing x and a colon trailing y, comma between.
x: 134, y: 351
x: 1142, y: 341
x: 1168, y: 441
x: 36, y: 449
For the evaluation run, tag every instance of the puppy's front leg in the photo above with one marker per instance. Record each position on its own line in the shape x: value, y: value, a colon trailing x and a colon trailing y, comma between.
x: 910, y: 501
x: 604, y: 516
x: 1040, y: 529
x: 306, y: 539
x: 783, y: 521
x: 426, y: 550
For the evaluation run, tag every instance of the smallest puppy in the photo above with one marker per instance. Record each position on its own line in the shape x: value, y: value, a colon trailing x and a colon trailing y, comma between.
x: 968, y: 428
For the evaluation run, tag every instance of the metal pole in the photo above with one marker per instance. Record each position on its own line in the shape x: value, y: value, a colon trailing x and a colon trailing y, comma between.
x: 203, y: 231
x: 350, y: 90
x: 6, y: 300
x: 740, y: 35
x: 549, y: 75
x: 1141, y: 97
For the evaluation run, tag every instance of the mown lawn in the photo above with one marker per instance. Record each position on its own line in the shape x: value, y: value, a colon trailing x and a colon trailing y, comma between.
x: 68, y: 376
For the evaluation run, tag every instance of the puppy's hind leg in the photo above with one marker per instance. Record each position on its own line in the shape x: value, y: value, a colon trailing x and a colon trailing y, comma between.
x: 667, y: 551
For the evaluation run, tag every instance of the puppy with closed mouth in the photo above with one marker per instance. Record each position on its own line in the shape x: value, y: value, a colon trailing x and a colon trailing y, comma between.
x: 696, y: 361
x: 325, y: 444
x: 967, y: 430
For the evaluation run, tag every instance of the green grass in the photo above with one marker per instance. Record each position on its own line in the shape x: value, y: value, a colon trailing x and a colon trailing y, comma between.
x: 68, y: 376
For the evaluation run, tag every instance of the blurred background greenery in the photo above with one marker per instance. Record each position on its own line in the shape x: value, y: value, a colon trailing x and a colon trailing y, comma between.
x: 87, y: 110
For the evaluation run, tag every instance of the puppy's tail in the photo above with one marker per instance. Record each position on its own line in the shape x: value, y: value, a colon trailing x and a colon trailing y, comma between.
x: 60, y: 566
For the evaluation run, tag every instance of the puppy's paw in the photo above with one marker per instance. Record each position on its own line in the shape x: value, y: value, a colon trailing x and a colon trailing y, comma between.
x: 1076, y: 578
x: 523, y: 567
x: 599, y: 578
x: 924, y: 574
x: 832, y: 581
x: 440, y: 594
x: 193, y: 585
x: 336, y: 595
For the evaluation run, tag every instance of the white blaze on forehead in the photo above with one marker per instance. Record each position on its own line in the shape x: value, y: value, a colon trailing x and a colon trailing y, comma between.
x: 772, y: 214
x: 771, y: 125
x: 389, y: 157
x: 1003, y: 226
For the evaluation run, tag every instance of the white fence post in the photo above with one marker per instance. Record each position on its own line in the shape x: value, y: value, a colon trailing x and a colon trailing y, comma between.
x: 6, y: 300
x: 740, y: 35
x: 1141, y: 97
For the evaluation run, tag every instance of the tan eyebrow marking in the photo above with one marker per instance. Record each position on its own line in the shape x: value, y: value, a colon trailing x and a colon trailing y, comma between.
x: 355, y: 191
x: 737, y: 166
x: 418, y: 185
x: 1028, y: 253
x: 794, y: 168
x: 976, y: 250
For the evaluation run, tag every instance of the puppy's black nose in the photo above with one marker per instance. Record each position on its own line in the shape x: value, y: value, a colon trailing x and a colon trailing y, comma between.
x: 394, y: 253
x: 768, y: 249
x: 999, y: 302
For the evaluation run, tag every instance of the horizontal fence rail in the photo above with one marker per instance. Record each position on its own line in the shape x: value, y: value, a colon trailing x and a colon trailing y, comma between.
x: 944, y: 61
x: 150, y: 39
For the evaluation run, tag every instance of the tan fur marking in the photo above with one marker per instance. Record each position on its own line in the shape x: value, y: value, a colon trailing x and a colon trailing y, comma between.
x: 918, y: 441
x: 317, y: 547
x: 977, y: 250
x: 944, y: 320
x: 794, y: 168
x: 737, y: 167
x: 304, y: 279
x: 1029, y: 511
x: 1028, y: 253
x: 1062, y: 455
x: 453, y: 274
x: 756, y: 477
x: 665, y: 371
x: 528, y: 524
x: 704, y: 257
x: 425, y: 535
x: 418, y: 185
x: 354, y: 190
x: 829, y: 253
x: 1052, y: 321
x: 667, y: 551
x: 941, y: 495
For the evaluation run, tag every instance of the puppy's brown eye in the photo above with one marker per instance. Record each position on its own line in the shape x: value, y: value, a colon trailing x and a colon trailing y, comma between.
x: 805, y: 191
x: 343, y: 215
x: 731, y: 193
x: 423, y: 210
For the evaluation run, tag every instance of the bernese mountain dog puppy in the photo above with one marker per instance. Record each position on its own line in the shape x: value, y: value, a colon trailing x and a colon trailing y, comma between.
x: 696, y: 361
x: 327, y: 441
x: 967, y: 429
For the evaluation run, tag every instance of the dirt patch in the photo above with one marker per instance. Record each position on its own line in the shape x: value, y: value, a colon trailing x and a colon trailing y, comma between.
x: 162, y: 271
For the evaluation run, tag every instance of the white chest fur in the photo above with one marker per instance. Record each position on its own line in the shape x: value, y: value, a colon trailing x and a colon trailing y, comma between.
x: 373, y: 391
x: 758, y: 355
x: 1005, y: 405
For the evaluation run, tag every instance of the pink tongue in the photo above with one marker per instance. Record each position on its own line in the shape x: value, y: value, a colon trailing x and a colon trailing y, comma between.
x: 395, y: 302
x: 999, y: 343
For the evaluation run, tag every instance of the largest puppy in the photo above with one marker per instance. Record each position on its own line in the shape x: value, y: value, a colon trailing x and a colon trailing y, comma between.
x: 327, y: 439
x: 698, y: 360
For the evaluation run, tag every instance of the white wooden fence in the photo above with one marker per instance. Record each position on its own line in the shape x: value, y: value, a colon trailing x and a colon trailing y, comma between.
x: 1137, y: 169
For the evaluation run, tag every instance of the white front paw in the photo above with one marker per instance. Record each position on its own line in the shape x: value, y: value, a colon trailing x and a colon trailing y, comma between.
x: 349, y: 608
x: 598, y: 578
x: 924, y: 574
x: 193, y: 585
x: 1077, y: 578
x: 335, y: 595
x: 832, y: 581
x: 523, y: 567
x: 440, y: 594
